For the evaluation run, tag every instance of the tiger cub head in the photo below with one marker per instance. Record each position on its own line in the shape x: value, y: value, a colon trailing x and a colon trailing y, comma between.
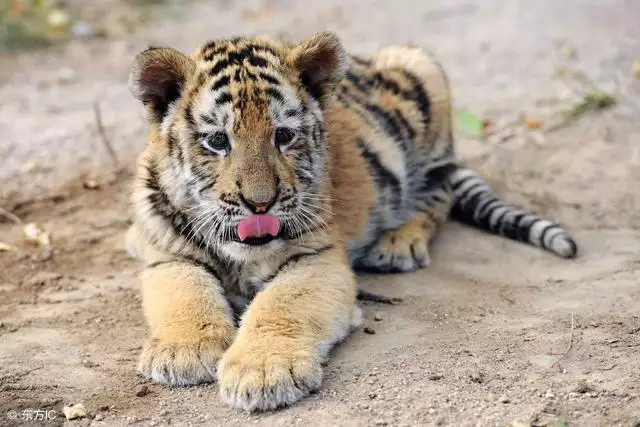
x: 237, y: 137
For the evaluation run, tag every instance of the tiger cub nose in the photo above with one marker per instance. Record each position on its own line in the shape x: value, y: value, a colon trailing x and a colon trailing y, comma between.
x: 259, y: 206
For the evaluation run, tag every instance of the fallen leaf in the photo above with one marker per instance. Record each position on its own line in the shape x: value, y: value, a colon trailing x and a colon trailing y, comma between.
x: 591, y: 102
x: 532, y: 122
x: 470, y: 124
x: 35, y: 234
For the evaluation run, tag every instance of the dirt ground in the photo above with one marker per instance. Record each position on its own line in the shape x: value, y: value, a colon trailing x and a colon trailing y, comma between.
x: 493, y: 333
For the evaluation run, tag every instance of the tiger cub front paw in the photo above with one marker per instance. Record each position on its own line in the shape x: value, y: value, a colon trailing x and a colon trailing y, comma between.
x: 262, y: 376
x: 183, y: 362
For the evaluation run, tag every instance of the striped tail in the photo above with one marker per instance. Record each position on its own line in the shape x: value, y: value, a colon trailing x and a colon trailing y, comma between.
x: 476, y: 204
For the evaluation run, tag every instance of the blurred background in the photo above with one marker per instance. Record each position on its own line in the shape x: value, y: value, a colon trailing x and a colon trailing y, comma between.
x: 547, y: 108
x: 506, y: 59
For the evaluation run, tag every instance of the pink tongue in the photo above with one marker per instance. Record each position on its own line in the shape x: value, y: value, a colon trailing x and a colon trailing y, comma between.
x: 258, y: 226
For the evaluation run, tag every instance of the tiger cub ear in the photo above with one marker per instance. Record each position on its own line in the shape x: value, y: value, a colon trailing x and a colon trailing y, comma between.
x: 158, y: 77
x: 321, y: 62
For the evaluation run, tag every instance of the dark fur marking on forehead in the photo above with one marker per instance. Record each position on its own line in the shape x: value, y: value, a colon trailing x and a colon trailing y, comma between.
x: 292, y: 112
x: 257, y: 61
x: 222, y: 81
x: 219, y: 66
x: 238, y: 57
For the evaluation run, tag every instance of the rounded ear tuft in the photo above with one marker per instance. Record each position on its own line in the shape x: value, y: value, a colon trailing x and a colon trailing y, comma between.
x: 322, y: 62
x: 158, y: 77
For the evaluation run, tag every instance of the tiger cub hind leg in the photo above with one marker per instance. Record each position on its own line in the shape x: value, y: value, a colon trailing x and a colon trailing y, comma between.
x: 404, y: 249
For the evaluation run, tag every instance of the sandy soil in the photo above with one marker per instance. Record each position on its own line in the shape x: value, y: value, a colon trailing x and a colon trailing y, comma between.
x: 493, y: 333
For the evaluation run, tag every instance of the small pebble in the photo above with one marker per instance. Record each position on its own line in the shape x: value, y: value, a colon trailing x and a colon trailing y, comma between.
x: 372, y: 395
x: 378, y: 317
x: 99, y: 417
x: 370, y: 331
x: 582, y: 387
x: 74, y: 411
x: 431, y: 411
x: 89, y: 364
x: 476, y: 377
x: 549, y: 394
x: 142, y: 390
x: 504, y: 399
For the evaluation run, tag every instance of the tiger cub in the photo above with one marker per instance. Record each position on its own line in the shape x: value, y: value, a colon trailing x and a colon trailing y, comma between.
x: 271, y: 173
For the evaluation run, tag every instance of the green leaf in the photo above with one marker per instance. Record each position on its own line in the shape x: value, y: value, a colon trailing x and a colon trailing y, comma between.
x: 561, y: 422
x: 469, y: 123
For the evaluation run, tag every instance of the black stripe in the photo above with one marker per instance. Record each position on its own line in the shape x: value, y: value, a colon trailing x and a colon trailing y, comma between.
x: 212, y: 120
x: 257, y: 61
x: 207, y: 186
x: 189, y: 260
x: 292, y: 113
x: 171, y: 142
x: 222, y: 81
x: 275, y: 94
x: 223, y: 99
x: 188, y: 115
x: 403, y: 122
x: 393, y: 122
x: 269, y: 79
x: 487, y: 204
x: 500, y: 221
x: 466, y: 192
x: 219, y: 66
x: 519, y: 232
x: 417, y: 93
x: 382, y: 175
x: 210, y: 50
x: 293, y: 259
x: 239, y: 56
x: 457, y: 184
x: 544, y: 234
x: 163, y: 207
x: 420, y: 97
x: 157, y: 263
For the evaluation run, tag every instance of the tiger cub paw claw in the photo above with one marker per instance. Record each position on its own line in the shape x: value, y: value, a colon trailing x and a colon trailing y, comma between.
x: 181, y: 364
x: 398, y: 252
x: 254, y: 381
